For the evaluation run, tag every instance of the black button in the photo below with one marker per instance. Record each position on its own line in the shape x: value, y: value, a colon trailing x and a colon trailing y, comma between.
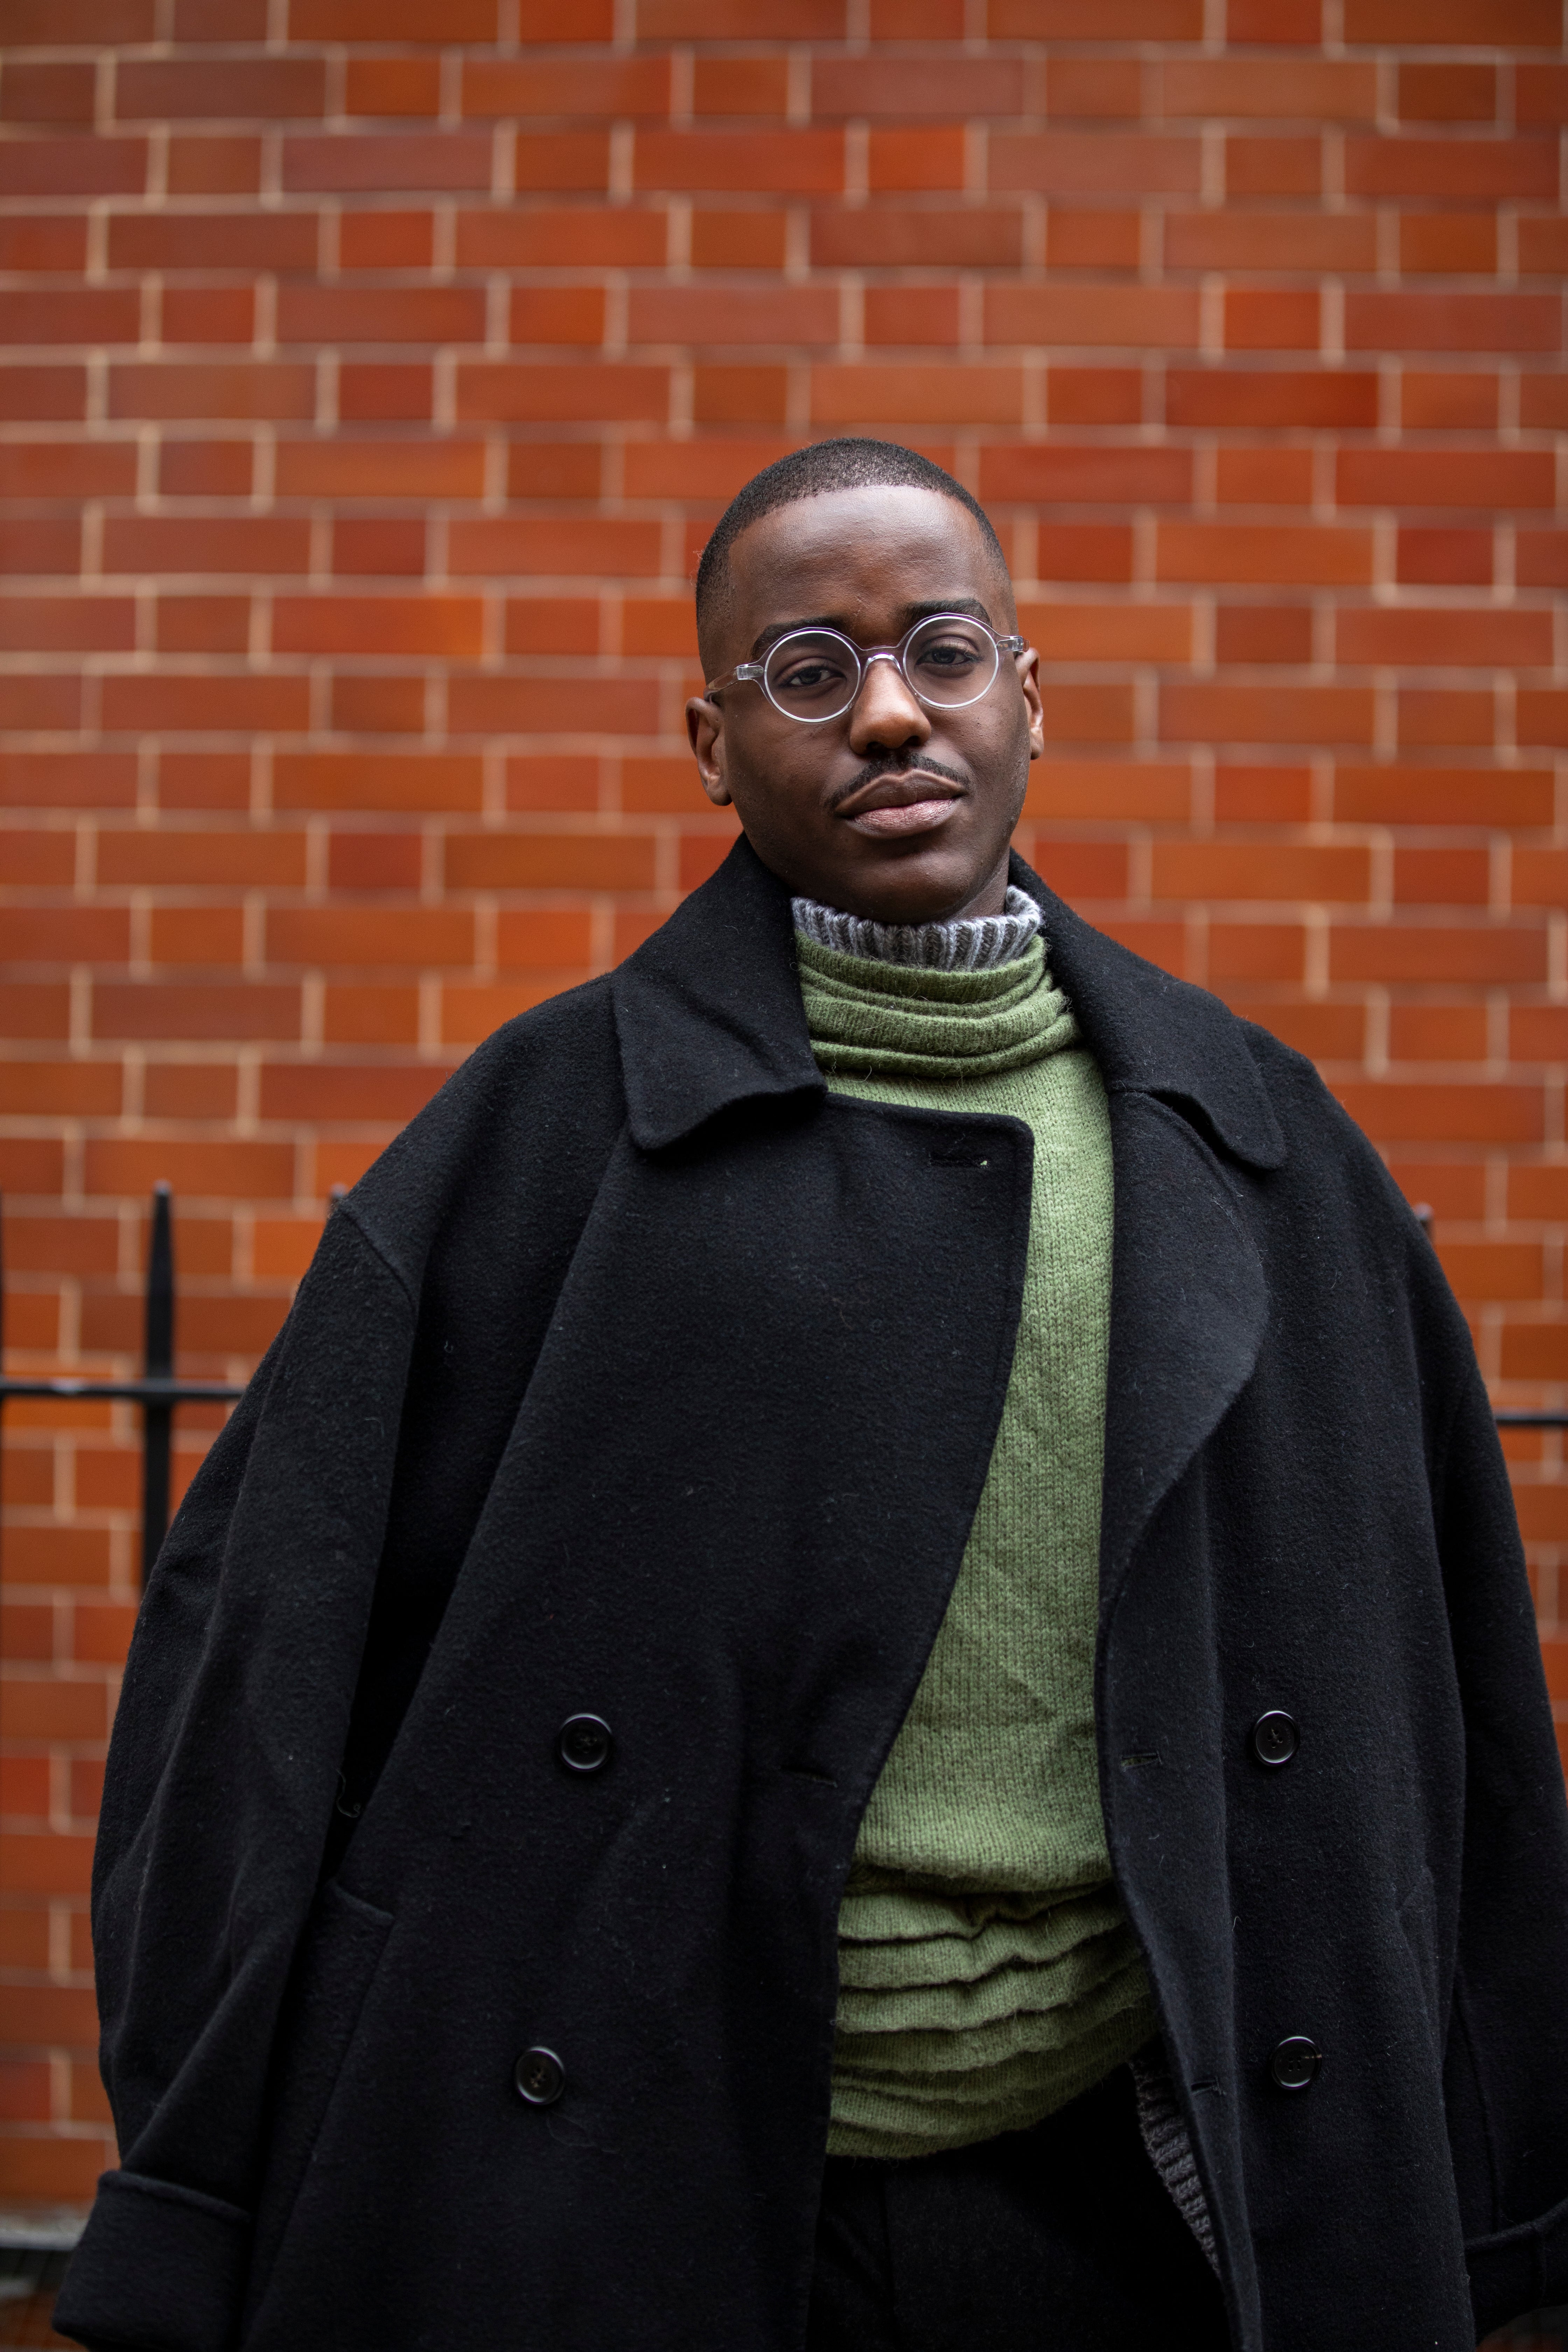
x: 584, y: 1742
x: 1296, y: 2062
x: 1275, y: 1738
x: 539, y: 2077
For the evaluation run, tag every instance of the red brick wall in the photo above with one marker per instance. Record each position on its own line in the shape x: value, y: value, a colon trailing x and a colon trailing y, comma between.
x: 374, y: 370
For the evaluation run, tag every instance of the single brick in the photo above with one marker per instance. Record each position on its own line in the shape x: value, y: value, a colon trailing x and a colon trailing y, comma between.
x: 150, y: 705
x: 921, y: 394
x: 1441, y: 401
x: 1214, y: 869
x: 1315, y: 553
x: 1313, y: 89
x: 236, y: 89
x: 392, y: 20
x: 898, y: 237
x: 908, y: 87
x: 88, y: 314
x: 1078, y: 162
x: 1438, y: 558
x: 933, y: 157
x: 1449, y: 93
x: 1442, y: 877
x: 73, y: 167
x: 1263, y: 632
x: 1270, y: 240
x: 1096, y: 20
x: 215, y: 1010
x: 56, y: 90
x: 390, y: 87
x: 1451, y: 323
x: 730, y: 241
x: 347, y: 467
x: 582, y: 546
x: 176, y: 544
x: 1492, y: 23
x: 1094, y: 89
x: 256, y: 389
x: 1266, y: 396
x: 431, y: 624
x: 1445, y: 636
x: 363, y: 314
x: 39, y: 241
x: 592, y: 238
x: 385, y: 240
x: 1445, y: 477
x: 732, y: 314
x: 1271, y: 714
x: 1442, y: 796
x: 1455, y: 167
x: 1079, y: 238
x: 540, y: 706
x: 1268, y: 319
x: 1273, y: 167
x: 391, y: 160
x: 805, y: 162
x: 748, y: 86
x: 1157, y: 317
x: 495, y: 391
x: 1263, y: 478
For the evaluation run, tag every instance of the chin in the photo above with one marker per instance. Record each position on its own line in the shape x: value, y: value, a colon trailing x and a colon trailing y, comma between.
x: 910, y: 892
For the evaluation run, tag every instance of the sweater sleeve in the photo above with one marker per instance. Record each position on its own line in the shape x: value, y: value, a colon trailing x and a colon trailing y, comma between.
x: 221, y: 1780
x: 1506, y: 2077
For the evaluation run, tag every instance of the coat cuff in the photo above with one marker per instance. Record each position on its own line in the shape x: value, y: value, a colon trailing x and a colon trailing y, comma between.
x: 1519, y: 2270
x: 159, y: 2269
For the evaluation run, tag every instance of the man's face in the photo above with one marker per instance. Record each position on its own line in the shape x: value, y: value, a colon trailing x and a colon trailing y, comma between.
x: 896, y: 810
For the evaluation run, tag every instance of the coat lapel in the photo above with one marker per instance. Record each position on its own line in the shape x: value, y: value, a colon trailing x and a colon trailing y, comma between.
x: 1189, y: 1302
x: 709, y: 1013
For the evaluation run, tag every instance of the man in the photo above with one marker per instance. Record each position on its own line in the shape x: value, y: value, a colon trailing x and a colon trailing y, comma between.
x: 753, y: 1738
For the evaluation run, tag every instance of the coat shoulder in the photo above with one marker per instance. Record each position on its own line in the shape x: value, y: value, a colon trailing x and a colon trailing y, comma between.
x: 522, y: 1127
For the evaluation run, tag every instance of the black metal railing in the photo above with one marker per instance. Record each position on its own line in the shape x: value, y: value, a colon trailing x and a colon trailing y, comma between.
x: 157, y: 1391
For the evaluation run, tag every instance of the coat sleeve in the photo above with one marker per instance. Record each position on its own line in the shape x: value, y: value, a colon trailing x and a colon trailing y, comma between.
x: 1506, y: 2078
x: 222, y: 1777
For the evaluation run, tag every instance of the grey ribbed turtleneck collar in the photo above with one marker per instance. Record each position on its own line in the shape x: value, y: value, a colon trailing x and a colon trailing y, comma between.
x: 972, y: 946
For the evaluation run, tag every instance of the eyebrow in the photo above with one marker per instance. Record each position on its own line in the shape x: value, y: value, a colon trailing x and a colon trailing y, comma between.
x: 909, y: 615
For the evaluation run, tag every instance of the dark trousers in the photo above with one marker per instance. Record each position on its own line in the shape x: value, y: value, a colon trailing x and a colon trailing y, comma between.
x: 1060, y: 2238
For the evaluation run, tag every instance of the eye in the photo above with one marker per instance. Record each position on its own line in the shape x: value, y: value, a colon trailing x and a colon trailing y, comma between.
x: 950, y: 655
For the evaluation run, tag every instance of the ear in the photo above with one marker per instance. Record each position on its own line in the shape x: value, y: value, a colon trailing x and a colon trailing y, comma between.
x: 705, y: 733
x: 1028, y: 668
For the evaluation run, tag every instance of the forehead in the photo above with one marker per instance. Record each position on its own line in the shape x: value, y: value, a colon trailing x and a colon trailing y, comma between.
x: 860, y: 557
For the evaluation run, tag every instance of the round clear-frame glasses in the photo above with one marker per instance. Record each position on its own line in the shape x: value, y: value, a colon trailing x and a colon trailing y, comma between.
x: 947, y: 661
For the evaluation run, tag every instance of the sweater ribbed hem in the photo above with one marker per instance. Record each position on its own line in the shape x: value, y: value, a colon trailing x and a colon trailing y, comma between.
x: 1164, y: 2131
x: 972, y: 946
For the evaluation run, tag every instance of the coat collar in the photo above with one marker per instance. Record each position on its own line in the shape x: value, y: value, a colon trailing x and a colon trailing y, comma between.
x: 709, y: 1013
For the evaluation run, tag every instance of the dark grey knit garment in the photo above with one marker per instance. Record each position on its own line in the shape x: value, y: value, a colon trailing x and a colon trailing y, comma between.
x: 972, y: 946
x: 1169, y: 2150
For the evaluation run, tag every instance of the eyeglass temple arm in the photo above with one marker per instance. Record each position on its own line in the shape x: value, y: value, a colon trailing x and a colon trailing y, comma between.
x: 744, y: 674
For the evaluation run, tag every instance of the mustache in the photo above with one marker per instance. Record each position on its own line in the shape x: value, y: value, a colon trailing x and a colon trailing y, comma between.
x: 902, y: 763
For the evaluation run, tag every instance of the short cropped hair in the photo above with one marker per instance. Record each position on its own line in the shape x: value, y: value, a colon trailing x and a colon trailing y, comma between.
x: 810, y: 473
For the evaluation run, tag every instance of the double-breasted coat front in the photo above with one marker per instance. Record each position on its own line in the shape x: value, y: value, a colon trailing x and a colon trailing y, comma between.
x: 643, y: 1379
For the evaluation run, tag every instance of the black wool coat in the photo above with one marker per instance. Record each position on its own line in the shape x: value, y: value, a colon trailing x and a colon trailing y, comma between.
x: 642, y: 1377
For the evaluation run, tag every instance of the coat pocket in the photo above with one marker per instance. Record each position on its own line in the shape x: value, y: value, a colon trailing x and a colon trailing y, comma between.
x: 338, y: 1961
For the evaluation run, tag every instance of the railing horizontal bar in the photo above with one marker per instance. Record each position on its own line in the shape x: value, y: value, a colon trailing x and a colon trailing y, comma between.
x: 1510, y: 1420
x: 145, y: 1391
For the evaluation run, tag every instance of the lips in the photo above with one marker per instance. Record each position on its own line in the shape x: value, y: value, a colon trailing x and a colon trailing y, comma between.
x: 897, y: 805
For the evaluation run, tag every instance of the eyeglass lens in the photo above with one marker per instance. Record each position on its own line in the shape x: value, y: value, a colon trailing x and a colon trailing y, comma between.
x: 816, y: 674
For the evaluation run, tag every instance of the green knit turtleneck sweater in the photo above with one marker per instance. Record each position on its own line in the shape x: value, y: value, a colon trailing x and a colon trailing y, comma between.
x: 987, y: 1974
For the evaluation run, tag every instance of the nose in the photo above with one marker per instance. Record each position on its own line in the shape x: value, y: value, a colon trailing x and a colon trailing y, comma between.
x: 886, y: 716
